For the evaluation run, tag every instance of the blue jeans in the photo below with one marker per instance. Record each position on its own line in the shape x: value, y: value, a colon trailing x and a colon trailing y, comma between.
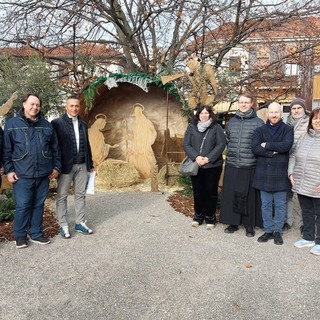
x: 29, y: 196
x: 273, y: 220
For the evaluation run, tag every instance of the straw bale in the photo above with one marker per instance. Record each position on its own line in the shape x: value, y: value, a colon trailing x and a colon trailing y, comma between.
x: 115, y: 174
x: 173, y: 174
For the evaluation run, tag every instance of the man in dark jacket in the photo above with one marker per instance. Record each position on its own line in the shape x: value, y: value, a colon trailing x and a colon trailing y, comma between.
x: 31, y: 157
x: 240, y: 203
x: 76, y: 160
x: 271, y: 144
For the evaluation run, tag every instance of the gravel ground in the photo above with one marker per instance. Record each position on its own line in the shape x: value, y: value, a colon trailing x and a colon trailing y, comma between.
x: 145, y: 261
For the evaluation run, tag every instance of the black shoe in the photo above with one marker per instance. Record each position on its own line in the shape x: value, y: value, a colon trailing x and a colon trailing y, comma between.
x: 250, y: 232
x: 40, y: 240
x: 286, y: 227
x: 21, y: 242
x: 265, y: 237
x: 231, y: 229
x: 277, y: 238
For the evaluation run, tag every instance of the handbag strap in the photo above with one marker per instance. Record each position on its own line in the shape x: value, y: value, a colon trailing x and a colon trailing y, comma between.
x: 204, y: 138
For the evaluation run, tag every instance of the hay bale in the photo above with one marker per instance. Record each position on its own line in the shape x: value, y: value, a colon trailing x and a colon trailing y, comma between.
x: 113, y: 173
x: 173, y: 174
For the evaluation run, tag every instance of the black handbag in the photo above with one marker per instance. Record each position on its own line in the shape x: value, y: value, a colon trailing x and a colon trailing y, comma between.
x: 189, y: 167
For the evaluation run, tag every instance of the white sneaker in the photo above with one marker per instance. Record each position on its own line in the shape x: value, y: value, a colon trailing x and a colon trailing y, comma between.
x: 65, y: 232
x: 210, y: 226
x: 195, y: 224
x: 304, y: 243
x: 316, y: 250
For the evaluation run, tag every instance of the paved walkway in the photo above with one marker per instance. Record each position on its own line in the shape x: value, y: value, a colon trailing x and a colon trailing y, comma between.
x: 144, y: 261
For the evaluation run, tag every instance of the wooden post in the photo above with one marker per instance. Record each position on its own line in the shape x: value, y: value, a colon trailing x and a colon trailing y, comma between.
x: 166, y: 140
x: 154, y: 178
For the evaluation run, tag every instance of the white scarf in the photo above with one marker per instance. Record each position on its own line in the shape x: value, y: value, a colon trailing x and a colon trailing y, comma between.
x: 202, y: 126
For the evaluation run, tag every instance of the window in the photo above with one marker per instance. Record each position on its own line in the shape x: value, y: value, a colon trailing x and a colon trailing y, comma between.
x: 291, y: 69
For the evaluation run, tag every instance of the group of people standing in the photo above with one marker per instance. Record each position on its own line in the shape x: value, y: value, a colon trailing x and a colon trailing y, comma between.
x: 35, y: 151
x: 265, y: 163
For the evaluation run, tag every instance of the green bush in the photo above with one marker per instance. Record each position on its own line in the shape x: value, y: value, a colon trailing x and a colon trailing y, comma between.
x: 7, y: 206
x: 185, y: 182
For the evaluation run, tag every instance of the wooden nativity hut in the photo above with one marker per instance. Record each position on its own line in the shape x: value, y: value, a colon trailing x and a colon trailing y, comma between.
x: 135, y: 119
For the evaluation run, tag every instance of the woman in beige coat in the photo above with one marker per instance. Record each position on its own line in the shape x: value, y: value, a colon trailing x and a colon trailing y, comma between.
x: 304, y: 175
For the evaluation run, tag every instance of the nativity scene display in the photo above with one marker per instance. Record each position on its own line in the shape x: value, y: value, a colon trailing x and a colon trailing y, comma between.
x: 130, y: 142
x: 136, y: 146
x: 136, y: 128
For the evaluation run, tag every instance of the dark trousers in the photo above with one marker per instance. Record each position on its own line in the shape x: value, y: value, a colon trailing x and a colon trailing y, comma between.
x: 205, y: 194
x: 310, y: 208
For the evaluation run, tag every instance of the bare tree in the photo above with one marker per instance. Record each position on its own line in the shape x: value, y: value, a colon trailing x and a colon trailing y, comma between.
x: 153, y: 36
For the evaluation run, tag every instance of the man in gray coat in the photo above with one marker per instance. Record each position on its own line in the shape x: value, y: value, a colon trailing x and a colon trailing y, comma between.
x: 298, y: 119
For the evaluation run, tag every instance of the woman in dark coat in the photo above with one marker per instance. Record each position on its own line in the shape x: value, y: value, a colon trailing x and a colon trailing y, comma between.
x: 204, y: 129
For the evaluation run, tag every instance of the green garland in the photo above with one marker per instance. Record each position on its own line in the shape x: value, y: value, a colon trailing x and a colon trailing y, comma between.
x: 90, y: 92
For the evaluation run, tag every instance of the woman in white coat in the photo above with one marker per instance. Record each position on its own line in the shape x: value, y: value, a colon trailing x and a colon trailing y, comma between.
x: 304, y: 175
